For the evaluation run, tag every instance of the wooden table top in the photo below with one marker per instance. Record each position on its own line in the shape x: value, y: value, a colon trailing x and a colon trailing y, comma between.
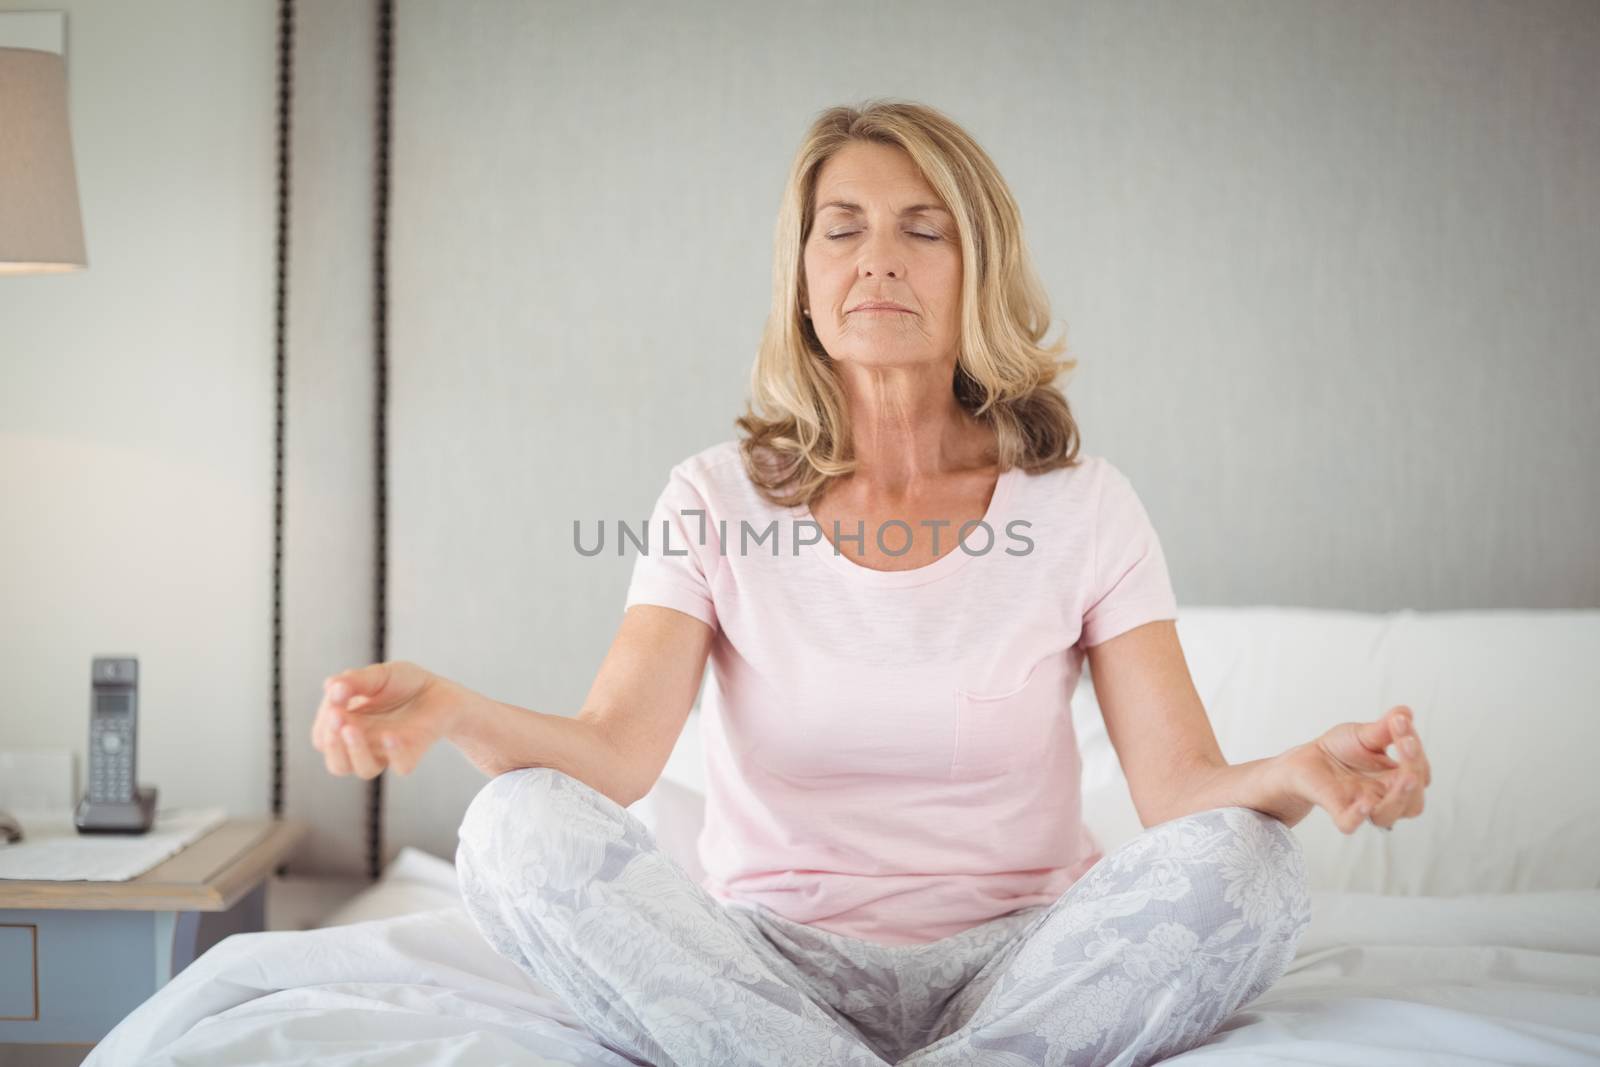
x: 210, y: 874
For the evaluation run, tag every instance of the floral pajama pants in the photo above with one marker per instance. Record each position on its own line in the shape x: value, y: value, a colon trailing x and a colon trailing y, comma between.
x: 1143, y: 957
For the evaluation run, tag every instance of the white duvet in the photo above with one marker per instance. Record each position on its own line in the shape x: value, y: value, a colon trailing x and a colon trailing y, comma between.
x: 1505, y: 979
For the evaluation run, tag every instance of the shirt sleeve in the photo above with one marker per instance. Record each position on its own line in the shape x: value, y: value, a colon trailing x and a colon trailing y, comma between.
x: 1131, y: 583
x: 674, y: 569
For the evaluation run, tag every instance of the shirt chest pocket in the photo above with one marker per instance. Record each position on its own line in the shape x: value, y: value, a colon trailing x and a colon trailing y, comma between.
x: 1018, y: 729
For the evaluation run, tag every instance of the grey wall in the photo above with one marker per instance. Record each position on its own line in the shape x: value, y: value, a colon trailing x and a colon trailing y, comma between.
x: 1329, y: 270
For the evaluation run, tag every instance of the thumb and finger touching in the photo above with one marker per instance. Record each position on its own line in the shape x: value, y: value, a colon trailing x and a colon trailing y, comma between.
x: 1365, y: 744
x: 365, y: 743
x: 1365, y: 775
x: 1348, y: 797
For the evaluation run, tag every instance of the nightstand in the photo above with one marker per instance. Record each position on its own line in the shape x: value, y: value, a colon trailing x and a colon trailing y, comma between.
x: 77, y: 957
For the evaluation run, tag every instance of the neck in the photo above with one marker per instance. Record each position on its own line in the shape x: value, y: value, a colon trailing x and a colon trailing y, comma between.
x: 909, y: 431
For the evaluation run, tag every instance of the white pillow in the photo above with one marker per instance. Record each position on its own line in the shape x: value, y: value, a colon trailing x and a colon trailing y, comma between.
x: 1504, y: 701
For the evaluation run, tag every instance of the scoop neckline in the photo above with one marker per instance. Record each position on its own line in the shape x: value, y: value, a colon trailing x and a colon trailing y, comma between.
x: 949, y: 561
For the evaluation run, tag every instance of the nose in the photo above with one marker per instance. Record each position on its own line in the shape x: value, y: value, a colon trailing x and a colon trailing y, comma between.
x: 880, y: 256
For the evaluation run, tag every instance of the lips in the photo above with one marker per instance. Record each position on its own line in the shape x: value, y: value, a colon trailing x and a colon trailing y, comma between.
x: 881, y: 305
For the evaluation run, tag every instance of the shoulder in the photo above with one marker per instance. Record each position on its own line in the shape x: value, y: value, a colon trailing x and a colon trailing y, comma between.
x: 716, y: 475
x: 1092, y: 494
x: 1091, y: 472
x: 712, y: 460
x: 714, y: 469
x: 1071, y: 488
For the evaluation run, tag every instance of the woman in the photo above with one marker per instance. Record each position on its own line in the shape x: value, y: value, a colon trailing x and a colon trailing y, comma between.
x: 897, y: 868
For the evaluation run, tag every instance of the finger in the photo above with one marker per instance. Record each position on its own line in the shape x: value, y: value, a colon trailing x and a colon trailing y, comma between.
x: 1371, y: 794
x: 333, y: 722
x: 1400, y: 794
x: 367, y: 765
x: 400, y: 755
x: 1378, y: 735
x: 1411, y: 748
x: 1415, y: 760
x: 366, y: 682
x: 1344, y: 742
x: 1347, y: 800
x: 324, y: 726
x: 1412, y: 755
x: 1424, y: 777
x: 1370, y: 759
x: 319, y: 721
x: 336, y: 756
x: 1416, y: 805
x: 1350, y: 817
x: 1357, y: 814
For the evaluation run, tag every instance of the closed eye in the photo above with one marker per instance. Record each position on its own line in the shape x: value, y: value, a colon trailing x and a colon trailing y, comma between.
x: 924, y: 236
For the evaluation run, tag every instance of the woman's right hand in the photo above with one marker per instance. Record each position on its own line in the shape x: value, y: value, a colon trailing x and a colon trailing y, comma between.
x: 384, y: 715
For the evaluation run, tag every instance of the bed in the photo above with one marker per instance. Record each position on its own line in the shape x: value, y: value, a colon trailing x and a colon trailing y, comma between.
x: 1469, y: 935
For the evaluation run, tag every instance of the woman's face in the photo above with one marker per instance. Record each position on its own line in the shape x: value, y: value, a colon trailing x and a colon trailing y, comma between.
x: 897, y: 243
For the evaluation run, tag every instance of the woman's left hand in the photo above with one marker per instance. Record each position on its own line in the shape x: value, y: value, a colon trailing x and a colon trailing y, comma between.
x: 1347, y: 772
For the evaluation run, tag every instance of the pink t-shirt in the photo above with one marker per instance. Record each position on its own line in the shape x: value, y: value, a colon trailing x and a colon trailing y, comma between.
x: 890, y: 754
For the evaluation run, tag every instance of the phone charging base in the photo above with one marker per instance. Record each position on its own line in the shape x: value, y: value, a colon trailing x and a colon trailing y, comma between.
x: 117, y: 816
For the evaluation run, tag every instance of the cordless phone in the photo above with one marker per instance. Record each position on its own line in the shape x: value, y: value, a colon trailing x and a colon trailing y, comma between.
x: 115, y: 802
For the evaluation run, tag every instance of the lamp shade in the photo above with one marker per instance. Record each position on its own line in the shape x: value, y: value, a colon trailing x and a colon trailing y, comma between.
x: 41, y: 226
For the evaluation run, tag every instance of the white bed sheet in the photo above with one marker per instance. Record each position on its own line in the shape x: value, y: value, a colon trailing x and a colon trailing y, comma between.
x: 1378, y: 979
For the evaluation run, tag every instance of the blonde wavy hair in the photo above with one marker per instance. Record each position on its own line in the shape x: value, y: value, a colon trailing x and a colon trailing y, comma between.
x: 796, y: 423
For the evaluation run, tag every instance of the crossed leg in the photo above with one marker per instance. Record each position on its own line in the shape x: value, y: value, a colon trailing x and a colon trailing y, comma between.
x: 573, y: 889
x: 1143, y: 957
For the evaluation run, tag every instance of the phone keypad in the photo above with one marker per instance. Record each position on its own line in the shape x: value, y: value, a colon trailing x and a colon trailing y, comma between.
x: 111, y: 762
